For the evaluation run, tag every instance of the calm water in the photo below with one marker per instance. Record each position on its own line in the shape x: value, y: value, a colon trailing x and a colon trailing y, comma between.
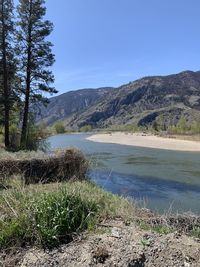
x: 158, y: 179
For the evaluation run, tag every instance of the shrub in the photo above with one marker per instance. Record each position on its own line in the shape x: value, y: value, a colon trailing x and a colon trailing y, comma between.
x: 130, y: 127
x: 182, y: 125
x: 14, y: 137
x: 195, y: 127
x: 155, y: 126
x: 59, y: 127
x: 86, y: 128
x: 65, y: 165
x: 36, y: 138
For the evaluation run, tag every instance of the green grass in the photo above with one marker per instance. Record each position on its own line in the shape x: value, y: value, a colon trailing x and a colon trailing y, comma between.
x: 195, y: 232
x: 160, y: 229
x: 49, y: 215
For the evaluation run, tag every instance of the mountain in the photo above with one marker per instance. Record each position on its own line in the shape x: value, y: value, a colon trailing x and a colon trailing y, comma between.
x: 145, y: 100
x: 142, y: 101
x: 63, y: 106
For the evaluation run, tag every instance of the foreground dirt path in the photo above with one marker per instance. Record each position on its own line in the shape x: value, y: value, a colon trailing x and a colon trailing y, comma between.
x: 149, y: 141
x: 118, y: 245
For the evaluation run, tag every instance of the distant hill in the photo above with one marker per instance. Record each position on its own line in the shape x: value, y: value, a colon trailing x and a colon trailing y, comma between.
x: 142, y: 101
x: 63, y: 106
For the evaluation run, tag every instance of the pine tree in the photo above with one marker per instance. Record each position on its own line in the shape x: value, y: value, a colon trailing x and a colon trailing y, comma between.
x: 35, y: 54
x: 7, y: 63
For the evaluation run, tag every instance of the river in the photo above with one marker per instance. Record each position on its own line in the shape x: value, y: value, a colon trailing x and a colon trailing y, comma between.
x: 162, y: 180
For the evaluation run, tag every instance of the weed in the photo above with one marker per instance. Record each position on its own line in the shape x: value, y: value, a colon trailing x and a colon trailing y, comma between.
x: 195, y: 232
x: 160, y: 229
x: 145, y: 243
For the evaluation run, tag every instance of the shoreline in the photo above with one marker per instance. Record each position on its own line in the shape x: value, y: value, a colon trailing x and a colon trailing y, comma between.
x: 147, y: 141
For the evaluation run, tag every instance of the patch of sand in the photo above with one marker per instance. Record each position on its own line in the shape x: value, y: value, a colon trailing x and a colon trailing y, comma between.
x: 146, y: 140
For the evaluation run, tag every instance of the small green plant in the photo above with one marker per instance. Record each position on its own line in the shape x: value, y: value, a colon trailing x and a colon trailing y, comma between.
x: 196, y: 232
x: 163, y: 230
x: 145, y: 243
x: 160, y: 229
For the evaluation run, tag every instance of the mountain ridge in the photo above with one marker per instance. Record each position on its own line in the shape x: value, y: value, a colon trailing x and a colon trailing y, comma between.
x: 142, y: 101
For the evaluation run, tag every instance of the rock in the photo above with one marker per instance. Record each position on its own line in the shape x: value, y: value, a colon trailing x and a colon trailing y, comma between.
x: 115, y: 232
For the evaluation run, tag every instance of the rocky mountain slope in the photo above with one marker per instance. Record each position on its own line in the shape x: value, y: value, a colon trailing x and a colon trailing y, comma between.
x: 145, y: 100
x: 63, y: 106
x: 142, y: 101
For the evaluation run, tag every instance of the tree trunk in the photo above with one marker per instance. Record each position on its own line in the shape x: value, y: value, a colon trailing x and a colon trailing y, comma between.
x: 25, y: 114
x: 28, y: 86
x: 5, y: 84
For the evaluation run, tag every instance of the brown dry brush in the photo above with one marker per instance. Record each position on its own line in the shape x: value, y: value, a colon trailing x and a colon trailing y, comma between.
x: 182, y: 222
x: 63, y: 166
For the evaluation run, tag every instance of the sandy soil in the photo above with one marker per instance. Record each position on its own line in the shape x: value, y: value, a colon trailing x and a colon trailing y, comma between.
x: 145, y: 140
x: 117, y: 246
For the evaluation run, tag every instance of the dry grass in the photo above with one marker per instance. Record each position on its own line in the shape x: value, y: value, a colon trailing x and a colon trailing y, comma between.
x: 187, y: 223
x: 65, y: 165
x: 21, y: 155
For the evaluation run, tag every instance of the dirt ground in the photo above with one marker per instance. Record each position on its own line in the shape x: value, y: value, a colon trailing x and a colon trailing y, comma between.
x: 115, y: 244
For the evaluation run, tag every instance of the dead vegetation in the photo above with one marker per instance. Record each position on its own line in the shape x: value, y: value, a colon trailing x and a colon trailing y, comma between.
x: 62, y: 166
x: 186, y: 223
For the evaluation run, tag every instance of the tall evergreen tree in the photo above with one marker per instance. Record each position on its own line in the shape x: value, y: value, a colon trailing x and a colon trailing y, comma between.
x: 7, y: 64
x: 35, y: 54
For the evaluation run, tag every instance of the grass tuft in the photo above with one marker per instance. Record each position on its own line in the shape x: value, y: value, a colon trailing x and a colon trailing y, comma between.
x: 60, y: 215
x: 195, y: 232
x: 49, y: 215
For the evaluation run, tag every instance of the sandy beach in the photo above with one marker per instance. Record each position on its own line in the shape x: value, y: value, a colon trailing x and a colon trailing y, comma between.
x: 145, y: 140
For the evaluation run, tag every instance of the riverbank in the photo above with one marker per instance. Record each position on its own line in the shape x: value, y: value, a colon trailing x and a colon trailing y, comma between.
x: 76, y: 223
x: 146, y: 140
x: 107, y: 230
x: 80, y: 224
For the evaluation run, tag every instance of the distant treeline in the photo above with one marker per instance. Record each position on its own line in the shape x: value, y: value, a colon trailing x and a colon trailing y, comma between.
x: 181, y: 127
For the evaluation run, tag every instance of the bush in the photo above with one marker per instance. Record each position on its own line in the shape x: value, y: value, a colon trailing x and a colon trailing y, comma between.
x: 183, y: 127
x: 36, y: 138
x: 86, y: 128
x: 59, y: 128
x: 195, y: 127
x: 65, y: 165
x: 130, y: 127
x: 14, y: 137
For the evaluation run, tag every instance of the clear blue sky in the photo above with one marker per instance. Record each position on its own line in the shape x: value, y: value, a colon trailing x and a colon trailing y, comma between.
x: 111, y: 42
